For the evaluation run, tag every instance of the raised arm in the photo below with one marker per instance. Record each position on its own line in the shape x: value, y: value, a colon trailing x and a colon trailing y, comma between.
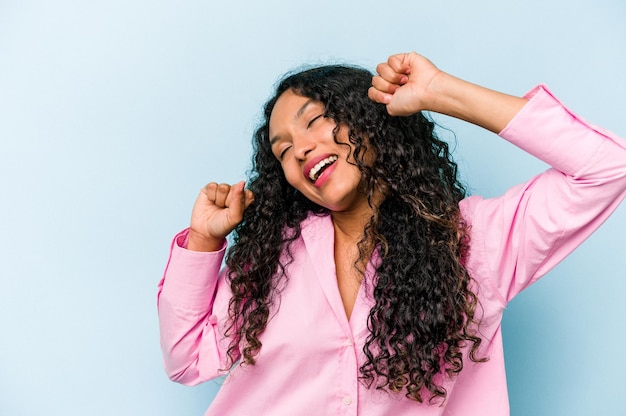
x: 193, y: 297
x: 520, y: 236
x: 408, y: 83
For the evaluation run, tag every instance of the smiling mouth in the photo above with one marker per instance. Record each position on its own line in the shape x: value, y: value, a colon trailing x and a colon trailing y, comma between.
x: 317, y: 170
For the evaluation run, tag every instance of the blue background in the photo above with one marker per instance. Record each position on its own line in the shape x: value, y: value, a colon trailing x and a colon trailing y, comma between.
x: 114, y: 113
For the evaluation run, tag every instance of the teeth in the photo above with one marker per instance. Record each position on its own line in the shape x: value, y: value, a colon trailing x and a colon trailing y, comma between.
x: 315, y: 170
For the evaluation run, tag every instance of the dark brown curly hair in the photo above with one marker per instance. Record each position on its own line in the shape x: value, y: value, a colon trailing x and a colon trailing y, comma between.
x: 424, y: 312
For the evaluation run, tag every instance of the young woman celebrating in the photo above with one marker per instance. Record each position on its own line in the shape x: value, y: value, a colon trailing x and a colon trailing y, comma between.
x: 361, y: 279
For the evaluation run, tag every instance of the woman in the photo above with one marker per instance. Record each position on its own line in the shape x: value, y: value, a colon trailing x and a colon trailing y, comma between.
x: 361, y: 279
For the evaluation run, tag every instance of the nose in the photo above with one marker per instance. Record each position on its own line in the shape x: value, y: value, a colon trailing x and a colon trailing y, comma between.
x: 302, y: 145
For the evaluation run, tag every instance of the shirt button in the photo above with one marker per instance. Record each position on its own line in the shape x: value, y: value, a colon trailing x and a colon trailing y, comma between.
x: 349, y: 341
x: 347, y: 400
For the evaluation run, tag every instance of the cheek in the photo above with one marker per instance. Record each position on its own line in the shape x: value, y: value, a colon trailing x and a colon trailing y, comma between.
x: 293, y: 175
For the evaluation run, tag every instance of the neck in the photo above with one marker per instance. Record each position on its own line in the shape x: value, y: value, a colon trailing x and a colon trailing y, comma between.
x: 349, y: 226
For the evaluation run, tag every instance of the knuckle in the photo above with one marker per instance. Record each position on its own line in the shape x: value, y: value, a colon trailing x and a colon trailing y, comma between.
x: 379, y: 83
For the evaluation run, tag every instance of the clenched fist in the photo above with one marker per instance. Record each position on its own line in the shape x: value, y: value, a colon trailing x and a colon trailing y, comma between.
x: 218, y: 210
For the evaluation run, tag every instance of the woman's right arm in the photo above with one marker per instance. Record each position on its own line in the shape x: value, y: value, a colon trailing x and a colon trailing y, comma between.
x: 193, y: 296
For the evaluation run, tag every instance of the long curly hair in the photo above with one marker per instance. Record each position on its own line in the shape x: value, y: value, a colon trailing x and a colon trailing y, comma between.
x: 425, y: 311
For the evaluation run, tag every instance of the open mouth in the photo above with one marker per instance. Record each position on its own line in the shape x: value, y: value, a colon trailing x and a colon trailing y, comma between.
x: 320, y: 167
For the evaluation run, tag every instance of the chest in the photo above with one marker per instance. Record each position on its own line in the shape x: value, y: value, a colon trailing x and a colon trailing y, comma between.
x: 319, y: 297
x: 348, y: 274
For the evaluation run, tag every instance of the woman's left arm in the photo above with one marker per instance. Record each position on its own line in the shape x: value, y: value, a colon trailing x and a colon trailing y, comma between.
x: 524, y: 233
x: 528, y: 230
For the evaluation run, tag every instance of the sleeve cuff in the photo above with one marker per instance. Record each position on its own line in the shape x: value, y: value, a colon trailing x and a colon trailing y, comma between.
x: 548, y: 130
x: 191, y: 277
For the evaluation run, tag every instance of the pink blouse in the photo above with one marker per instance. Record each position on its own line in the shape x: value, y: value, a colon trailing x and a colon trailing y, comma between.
x: 311, y: 352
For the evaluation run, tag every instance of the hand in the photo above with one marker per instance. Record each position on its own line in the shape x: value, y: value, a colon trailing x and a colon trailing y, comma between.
x: 404, y: 83
x: 217, y: 211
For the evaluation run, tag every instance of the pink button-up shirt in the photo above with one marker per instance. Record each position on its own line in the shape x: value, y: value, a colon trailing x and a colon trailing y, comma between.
x: 311, y: 352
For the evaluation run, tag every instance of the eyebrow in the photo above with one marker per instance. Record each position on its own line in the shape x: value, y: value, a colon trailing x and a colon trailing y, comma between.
x: 304, y: 106
x: 297, y: 116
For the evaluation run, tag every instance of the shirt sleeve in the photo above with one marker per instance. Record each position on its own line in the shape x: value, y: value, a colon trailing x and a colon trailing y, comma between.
x: 192, y: 304
x: 520, y: 236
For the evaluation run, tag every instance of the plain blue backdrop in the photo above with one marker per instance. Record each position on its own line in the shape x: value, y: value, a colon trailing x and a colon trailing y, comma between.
x: 114, y: 113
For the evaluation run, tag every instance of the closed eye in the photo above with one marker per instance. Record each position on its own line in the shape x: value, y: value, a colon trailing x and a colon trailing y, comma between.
x: 282, y: 154
x: 313, y: 120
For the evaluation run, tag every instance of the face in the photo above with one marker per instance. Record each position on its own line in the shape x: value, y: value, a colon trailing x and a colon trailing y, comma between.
x: 302, y: 140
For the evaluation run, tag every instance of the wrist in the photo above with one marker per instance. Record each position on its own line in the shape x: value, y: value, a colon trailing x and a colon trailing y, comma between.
x: 198, y: 242
x: 445, y: 94
x: 435, y: 93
